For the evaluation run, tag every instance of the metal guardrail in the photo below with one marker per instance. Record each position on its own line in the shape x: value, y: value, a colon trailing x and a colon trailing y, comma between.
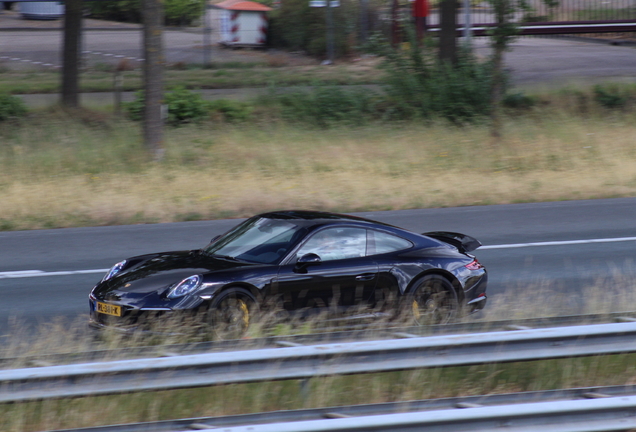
x: 303, y: 362
x: 354, y: 333
x: 451, y: 404
x: 596, y: 415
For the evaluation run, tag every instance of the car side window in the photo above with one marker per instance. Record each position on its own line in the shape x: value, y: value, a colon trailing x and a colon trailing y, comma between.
x: 336, y: 243
x: 379, y: 242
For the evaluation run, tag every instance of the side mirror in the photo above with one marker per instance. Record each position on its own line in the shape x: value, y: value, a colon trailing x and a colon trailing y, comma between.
x: 307, y: 260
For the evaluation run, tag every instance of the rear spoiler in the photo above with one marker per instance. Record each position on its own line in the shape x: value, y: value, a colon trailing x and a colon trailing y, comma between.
x: 462, y: 242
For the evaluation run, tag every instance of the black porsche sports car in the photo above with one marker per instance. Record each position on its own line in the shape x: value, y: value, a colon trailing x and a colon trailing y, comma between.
x: 297, y: 261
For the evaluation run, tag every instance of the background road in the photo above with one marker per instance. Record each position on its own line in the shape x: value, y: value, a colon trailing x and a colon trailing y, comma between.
x: 533, y: 60
x: 569, y: 263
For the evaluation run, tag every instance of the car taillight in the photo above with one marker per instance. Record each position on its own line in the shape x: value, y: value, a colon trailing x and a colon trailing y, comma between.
x: 474, y: 265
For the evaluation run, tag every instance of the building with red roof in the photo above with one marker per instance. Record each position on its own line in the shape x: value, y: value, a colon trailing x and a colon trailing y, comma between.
x: 243, y: 22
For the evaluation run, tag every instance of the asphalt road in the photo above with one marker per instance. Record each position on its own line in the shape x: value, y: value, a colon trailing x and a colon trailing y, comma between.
x: 532, y: 60
x: 48, y: 273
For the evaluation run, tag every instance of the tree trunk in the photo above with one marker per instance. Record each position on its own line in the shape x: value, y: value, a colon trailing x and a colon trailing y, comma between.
x: 71, y: 53
x: 448, y: 31
x: 496, y: 91
x: 153, y: 77
x: 501, y: 39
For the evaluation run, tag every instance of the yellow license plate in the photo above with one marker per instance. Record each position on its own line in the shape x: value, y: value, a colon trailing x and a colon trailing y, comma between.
x: 109, y: 309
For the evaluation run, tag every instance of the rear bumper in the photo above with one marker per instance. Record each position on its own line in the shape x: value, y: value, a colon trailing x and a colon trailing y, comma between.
x: 477, y: 303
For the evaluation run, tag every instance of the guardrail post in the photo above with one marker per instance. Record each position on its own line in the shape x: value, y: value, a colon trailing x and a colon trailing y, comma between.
x: 304, y: 390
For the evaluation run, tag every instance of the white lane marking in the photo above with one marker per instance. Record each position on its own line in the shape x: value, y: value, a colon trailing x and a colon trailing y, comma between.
x: 558, y: 243
x: 40, y: 273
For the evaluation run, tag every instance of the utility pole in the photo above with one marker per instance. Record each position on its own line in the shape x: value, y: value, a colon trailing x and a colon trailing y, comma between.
x: 330, y: 26
x: 330, y: 31
x: 207, y: 36
x: 71, y: 53
x: 153, y: 77
x: 468, y: 34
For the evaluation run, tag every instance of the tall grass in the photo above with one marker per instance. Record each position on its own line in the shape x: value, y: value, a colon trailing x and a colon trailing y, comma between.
x: 58, y: 337
x: 90, y: 169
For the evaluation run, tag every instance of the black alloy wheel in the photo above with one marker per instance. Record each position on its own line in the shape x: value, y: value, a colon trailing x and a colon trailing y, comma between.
x: 231, y: 314
x: 433, y: 300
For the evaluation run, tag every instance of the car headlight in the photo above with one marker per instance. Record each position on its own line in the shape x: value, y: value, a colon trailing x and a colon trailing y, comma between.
x: 186, y: 286
x: 114, y: 270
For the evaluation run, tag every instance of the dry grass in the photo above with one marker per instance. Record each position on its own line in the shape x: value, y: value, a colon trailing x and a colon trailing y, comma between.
x: 59, y: 172
x: 62, y: 337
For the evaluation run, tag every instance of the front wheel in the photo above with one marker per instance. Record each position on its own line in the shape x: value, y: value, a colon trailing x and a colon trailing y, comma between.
x: 432, y: 300
x: 231, y: 314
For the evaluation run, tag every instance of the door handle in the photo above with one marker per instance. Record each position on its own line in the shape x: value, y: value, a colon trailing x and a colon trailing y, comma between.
x: 365, y: 277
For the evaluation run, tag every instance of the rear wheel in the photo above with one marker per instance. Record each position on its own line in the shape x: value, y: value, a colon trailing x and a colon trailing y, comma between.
x: 432, y: 300
x: 231, y: 314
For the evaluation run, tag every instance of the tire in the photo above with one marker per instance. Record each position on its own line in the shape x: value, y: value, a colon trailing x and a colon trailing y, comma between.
x: 231, y: 314
x: 433, y: 300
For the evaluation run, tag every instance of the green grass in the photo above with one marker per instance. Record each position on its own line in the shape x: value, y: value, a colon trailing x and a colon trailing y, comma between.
x: 220, y: 76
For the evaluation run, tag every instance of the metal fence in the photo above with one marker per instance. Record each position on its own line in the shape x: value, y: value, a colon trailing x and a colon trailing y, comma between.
x: 564, y: 11
x: 303, y: 362
x: 340, y: 334
x: 565, y: 17
x: 428, y: 407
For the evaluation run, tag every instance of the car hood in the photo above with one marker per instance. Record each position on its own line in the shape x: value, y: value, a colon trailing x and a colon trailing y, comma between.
x: 158, y: 272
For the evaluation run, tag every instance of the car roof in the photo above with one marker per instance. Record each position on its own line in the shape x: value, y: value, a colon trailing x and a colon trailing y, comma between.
x: 313, y: 220
x: 317, y: 217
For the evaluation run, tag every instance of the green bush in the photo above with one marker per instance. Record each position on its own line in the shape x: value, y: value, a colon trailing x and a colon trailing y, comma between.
x: 135, y: 109
x: 11, y: 106
x: 324, y: 106
x: 183, y: 106
x: 232, y: 111
x: 610, y: 96
x: 518, y: 101
x: 419, y: 85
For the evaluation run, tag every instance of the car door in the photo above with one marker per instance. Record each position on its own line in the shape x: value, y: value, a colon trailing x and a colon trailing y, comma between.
x: 341, y: 277
x: 384, y: 247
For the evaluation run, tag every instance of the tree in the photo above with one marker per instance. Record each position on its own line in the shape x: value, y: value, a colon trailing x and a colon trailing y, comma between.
x: 153, y: 77
x: 505, y: 31
x: 71, y: 53
x: 448, y: 30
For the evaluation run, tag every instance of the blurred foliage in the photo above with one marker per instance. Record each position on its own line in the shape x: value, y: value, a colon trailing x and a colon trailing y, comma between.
x: 183, y: 105
x: 11, y: 106
x: 296, y: 26
x: 519, y: 100
x: 186, y: 106
x: 326, y: 106
x: 611, y: 96
x: 419, y: 85
x: 230, y: 111
x: 176, y: 12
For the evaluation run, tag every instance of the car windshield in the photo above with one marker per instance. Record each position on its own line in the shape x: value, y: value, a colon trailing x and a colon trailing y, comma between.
x: 259, y: 240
